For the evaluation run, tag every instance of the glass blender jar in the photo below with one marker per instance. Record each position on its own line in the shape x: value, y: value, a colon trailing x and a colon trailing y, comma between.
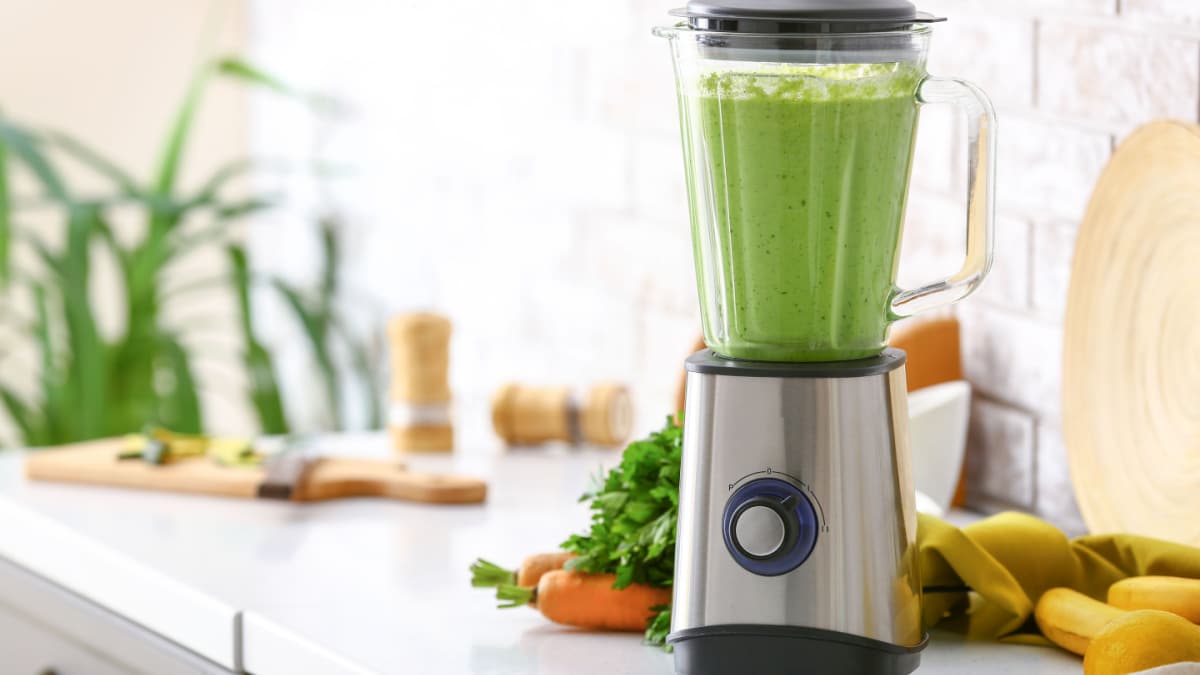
x: 798, y: 121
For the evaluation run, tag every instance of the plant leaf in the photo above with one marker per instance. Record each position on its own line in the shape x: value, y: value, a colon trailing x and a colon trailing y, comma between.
x: 363, y: 361
x: 227, y: 172
x: 316, y: 329
x: 329, y: 263
x: 87, y: 373
x: 194, y: 286
x: 22, y: 416
x: 237, y: 68
x: 131, y: 360
x: 145, y: 264
x: 634, y: 514
x: 56, y: 419
x: 243, y: 208
x: 110, y: 239
x: 265, y: 394
x: 180, y: 130
x: 49, y: 258
x: 5, y: 219
x: 225, y: 216
x: 96, y: 162
x: 659, y: 627
x: 240, y: 270
x: 24, y: 146
x: 179, y: 405
x: 264, y: 384
x: 177, y: 135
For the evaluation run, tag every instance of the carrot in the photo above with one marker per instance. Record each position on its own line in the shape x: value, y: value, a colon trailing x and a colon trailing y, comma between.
x: 536, y: 565
x: 588, y: 600
x: 485, y: 574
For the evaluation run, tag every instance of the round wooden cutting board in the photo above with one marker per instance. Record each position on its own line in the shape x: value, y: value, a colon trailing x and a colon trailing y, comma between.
x: 1131, y: 371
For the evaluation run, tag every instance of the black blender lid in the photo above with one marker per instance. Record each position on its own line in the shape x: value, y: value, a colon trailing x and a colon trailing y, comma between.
x: 801, y: 16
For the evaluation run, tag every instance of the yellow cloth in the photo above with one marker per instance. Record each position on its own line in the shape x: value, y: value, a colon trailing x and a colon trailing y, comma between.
x: 1010, y: 559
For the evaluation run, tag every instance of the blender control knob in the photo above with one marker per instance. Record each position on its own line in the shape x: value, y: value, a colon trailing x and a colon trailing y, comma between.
x: 759, y: 530
x: 770, y: 526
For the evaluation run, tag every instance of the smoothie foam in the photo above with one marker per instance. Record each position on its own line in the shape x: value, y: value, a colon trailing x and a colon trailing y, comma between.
x: 807, y: 174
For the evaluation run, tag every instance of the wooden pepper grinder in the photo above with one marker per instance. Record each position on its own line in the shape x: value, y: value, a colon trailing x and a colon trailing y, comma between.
x: 419, y: 417
x: 525, y: 415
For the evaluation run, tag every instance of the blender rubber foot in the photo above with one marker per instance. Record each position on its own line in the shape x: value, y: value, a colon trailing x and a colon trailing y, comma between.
x: 787, y: 650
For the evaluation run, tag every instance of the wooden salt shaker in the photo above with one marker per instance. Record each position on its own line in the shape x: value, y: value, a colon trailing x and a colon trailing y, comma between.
x: 525, y: 415
x: 419, y: 416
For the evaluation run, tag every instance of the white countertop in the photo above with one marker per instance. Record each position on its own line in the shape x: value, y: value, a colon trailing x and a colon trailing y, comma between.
x: 356, y: 585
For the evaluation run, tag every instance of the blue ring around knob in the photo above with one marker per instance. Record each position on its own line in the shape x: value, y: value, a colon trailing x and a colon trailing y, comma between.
x: 783, y: 561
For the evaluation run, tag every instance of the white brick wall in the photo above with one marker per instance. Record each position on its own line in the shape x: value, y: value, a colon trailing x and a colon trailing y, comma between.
x: 1008, y: 284
x: 526, y: 178
x: 968, y: 48
x: 1050, y: 273
x: 1184, y: 11
x: 1094, y: 71
x: 1000, y: 470
x: 1047, y: 167
x: 1114, y: 76
x: 1012, y: 357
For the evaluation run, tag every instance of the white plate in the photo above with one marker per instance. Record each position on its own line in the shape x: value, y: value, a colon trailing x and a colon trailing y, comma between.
x: 938, y: 438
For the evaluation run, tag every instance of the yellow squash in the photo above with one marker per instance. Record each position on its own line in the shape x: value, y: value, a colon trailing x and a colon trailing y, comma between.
x: 1169, y: 594
x: 1140, y: 640
x: 1071, y: 619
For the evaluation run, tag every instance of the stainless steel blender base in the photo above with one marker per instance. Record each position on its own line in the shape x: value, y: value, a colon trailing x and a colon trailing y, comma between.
x: 797, y: 522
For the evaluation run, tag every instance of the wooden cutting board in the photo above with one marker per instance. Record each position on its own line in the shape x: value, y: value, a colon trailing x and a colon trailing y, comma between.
x: 318, y: 479
x: 1131, y: 360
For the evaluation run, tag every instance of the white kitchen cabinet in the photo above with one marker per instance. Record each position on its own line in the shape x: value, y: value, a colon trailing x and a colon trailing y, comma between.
x: 46, y: 629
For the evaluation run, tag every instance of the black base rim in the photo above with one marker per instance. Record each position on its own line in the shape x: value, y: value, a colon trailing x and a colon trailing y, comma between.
x: 708, y: 362
x: 787, y: 650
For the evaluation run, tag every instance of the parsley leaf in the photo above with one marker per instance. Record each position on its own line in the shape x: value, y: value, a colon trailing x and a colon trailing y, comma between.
x: 635, y: 510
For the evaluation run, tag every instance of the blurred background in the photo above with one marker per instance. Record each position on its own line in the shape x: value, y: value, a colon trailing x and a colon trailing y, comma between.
x: 248, y: 189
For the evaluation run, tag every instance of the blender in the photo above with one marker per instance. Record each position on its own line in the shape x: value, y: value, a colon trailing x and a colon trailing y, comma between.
x: 796, y: 547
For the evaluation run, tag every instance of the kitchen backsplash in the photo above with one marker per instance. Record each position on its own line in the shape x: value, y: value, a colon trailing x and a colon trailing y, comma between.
x: 538, y: 163
x: 1070, y: 79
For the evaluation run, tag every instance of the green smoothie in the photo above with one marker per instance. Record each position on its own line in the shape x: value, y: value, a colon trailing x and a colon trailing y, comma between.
x: 797, y: 221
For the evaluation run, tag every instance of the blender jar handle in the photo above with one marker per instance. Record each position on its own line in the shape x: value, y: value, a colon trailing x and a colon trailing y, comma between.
x: 981, y: 188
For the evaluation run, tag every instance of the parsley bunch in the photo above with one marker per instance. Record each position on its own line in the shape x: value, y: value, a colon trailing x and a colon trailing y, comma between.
x: 635, y: 509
